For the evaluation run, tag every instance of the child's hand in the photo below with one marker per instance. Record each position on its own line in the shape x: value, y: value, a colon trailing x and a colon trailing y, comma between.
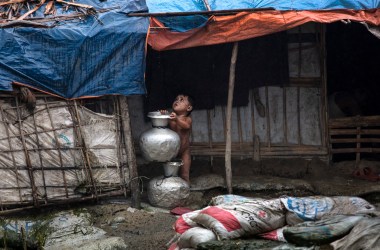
x: 173, y: 116
x: 164, y: 111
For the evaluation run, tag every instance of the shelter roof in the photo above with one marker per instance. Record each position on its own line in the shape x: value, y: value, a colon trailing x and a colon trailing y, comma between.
x: 75, y: 49
x: 218, y: 21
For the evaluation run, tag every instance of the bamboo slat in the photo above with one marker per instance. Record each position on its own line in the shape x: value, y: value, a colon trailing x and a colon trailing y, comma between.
x: 27, y: 158
x: 353, y: 122
x: 49, y: 149
x: 355, y: 140
x: 77, y: 167
x: 262, y: 153
x: 313, y: 82
x: 59, y: 201
x: 353, y: 132
x: 247, y: 149
x: 355, y: 150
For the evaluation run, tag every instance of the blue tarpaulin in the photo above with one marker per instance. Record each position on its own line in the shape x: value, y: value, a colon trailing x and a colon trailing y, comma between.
x: 77, y: 58
x: 186, y: 23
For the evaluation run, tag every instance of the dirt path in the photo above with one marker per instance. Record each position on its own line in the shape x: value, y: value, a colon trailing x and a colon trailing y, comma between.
x: 140, y: 229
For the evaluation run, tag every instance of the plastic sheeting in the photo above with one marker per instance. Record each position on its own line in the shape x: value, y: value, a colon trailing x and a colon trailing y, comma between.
x: 186, y: 23
x: 79, y: 58
x: 365, y: 235
x: 175, y: 32
x: 246, y: 25
x: 179, y: 23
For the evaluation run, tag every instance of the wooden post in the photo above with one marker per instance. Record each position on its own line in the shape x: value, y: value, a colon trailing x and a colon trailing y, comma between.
x: 357, y: 146
x: 324, y: 100
x: 131, y: 157
x: 231, y: 85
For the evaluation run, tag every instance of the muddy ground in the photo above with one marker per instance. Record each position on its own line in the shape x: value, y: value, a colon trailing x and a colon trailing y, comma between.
x: 151, y: 228
x: 145, y: 229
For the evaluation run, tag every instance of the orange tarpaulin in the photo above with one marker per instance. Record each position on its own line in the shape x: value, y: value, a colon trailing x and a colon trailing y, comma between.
x: 245, y: 25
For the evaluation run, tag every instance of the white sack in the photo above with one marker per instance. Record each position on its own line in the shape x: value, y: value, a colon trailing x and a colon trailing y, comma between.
x: 194, y: 236
x: 230, y: 221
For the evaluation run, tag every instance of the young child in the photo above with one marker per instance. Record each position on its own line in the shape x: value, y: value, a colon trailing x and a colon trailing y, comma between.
x: 180, y: 122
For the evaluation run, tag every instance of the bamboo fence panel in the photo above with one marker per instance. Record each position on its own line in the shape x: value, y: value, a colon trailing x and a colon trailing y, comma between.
x: 33, y: 177
x: 355, y: 135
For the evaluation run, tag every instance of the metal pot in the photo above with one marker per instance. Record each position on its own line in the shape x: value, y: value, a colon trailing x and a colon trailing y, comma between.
x: 168, y: 192
x: 171, y: 168
x: 158, y: 119
x: 159, y: 143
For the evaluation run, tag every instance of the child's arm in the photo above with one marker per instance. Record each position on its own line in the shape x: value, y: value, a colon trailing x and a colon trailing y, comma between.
x: 184, y: 122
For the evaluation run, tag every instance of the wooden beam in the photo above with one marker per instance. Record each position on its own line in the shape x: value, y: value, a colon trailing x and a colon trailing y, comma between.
x: 131, y: 156
x: 355, y: 121
x: 231, y: 85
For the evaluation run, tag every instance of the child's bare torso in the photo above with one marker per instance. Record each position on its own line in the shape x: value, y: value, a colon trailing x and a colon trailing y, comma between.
x: 184, y: 135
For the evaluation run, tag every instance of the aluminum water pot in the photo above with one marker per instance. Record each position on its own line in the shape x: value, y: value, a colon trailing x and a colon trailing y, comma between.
x: 171, y: 168
x: 168, y: 192
x: 159, y: 143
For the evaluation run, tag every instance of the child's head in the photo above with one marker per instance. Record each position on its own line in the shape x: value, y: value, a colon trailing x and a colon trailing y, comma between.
x: 183, y: 103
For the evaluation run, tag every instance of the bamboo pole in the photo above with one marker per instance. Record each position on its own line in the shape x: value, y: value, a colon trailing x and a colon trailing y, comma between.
x: 27, y: 158
x: 298, y: 88
x: 209, y: 130
x: 61, y: 202
x: 324, y: 94
x: 119, y: 145
x: 231, y: 85
x: 285, y: 140
x: 240, y: 129
x: 84, y: 151
x: 40, y: 156
x: 357, y: 146
x: 298, y: 117
x: 131, y: 157
x: 267, y: 116
x: 255, y: 138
